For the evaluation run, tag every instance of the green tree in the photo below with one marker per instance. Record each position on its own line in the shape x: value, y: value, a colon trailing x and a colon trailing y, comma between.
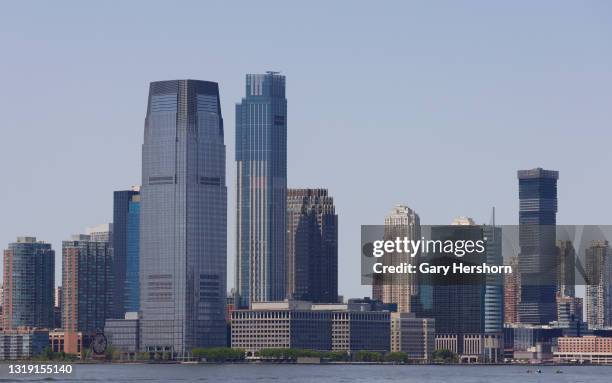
x: 396, y: 357
x: 368, y: 356
x: 444, y: 356
x: 218, y: 354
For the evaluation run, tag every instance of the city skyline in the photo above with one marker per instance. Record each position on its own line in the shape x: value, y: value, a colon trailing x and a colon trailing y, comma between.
x: 458, y: 84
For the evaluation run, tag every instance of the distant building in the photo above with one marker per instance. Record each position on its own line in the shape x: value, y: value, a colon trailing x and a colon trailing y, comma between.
x: 290, y: 324
x: 101, y: 233
x: 566, y: 269
x: 57, y: 308
x: 23, y: 343
x: 402, y: 288
x: 183, y: 214
x: 494, y: 289
x: 599, y: 284
x: 530, y: 341
x: 126, y: 233
x: 414, y: 336
x: 87, y: 283
x: 29, y: 280
x: 123, y: 334
x: 312, y: 246
x: 512, y: 292
x: 472, y: 348
x: 569, y: 310
x: 587, y: 349
x: 458, y: 306
x: 299, y: 324
x: 76, y: 342
x: 261, y: 184
x: 537, y: 239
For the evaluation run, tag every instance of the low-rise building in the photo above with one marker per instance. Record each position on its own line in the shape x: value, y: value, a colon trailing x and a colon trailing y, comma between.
x: 57, y: 342
x: 414, y: 336
x: 299, y: 324
x: 590, y: 349
x: 23, y: 343
x: 123, y: 334
x: 473, y: 348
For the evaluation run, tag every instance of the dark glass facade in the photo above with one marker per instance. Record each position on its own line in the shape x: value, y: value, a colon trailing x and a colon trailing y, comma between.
x: 87, y: 284
x: 312, y: 246
x: 29, y: 278
x: 261, y: 162
x: 537, y: 240
x: 458, y: 307
x: 183, y: 214
x: 126, y: 227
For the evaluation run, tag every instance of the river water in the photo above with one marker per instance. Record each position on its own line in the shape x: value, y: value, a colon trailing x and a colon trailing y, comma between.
x: 321, y: 373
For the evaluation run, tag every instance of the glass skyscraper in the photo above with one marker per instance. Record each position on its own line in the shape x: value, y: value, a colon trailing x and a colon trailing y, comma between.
x: 261, y: 162
x: 183, y: 212
x: 29, y: 275
x: 312, y: 246
x: 494, y: 289
x: 126, y: 228
x: 537, y: 240
x: 87, y: 284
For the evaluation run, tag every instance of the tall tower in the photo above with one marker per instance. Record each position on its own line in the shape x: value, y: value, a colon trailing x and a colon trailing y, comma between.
x: 537, y: 240
x: 183, y: 207
x: 87, y: 285
x: 312, y: 246
x: 494, y: 289
x: 261, y: 164
x: 512, y: 292
x: 126, y: 239
x: 29, y: 269
x: 401, y: 289
x: 599, y: 288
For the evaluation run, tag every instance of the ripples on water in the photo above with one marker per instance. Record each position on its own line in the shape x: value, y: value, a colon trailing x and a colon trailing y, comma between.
x: 326, y: 373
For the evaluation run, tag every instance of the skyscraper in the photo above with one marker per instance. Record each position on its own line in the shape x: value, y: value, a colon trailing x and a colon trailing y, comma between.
x: 537, y: 240
x: 599, y: 284
x: 29, y: 279
x: 512, y: 292
x: 494, y: 289
x: 566, y: 266
x: 87, y: 285
x: 312, y: 246
x: 457, y: 303
x: 400, y: 288
x: 183, y: 214
x: 261, y: 164
x: 126, y: 239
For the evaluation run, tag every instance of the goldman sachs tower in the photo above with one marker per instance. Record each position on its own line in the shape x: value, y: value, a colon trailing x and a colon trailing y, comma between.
x: 261, y: 164
x: 183, y: 219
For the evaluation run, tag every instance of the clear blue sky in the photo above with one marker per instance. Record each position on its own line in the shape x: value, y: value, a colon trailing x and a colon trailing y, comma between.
x: 430, y: 104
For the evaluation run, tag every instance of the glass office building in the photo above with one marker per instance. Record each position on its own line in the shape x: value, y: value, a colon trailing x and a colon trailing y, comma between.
x: 29, y: 277
x: 312, y: 246
x: 126, y: 227
x: 261, y: 164
x: 537, y: 240
x: 183, y: 210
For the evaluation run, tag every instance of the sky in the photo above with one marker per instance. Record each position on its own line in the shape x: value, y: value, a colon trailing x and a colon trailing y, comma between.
x: 432, y: 104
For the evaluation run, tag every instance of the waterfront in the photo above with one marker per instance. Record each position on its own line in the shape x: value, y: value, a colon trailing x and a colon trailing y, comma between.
x: 321, y: 373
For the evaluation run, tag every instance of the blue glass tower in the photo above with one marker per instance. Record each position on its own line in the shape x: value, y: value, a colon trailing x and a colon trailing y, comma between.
x: 537, y: 240
x: 29, y: 275
x: 126, y: 226
x: 183, y: 219
x: 261, y: 162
